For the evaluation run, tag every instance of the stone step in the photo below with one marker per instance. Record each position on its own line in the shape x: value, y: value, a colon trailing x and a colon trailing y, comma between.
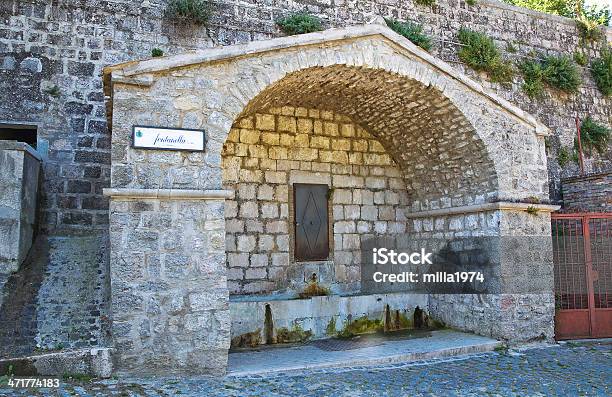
x: 435, y: 344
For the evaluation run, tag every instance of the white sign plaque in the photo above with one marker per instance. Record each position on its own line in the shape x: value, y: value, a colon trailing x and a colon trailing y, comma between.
x: 168, y: 138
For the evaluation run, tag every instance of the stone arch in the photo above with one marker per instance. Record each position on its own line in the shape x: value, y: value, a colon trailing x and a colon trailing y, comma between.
x: 168, y: 206
x: 438, y: 149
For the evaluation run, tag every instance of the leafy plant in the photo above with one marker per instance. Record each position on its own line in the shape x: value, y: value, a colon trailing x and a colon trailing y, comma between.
x: 157, y: 52
x: 411, y: 31
x: 594, y: 136
x: 511, y: 48
x: 197, y: 11
x: 299, y: 23
x: 566, y: 8
x: 580, y: 58
x: 589, y: 29
x: 471, y: 2
x: 560, y: 72
x: 533, y: 74
x: 425, y: 2
x: 532, y: 210
x: 481, y: 53
x: 601, y: 70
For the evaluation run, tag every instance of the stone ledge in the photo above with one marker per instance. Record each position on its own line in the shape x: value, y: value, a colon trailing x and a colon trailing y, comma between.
x: 21, y: 146
x: 467, y: 209
x: 95, y: 362
x: 167, y: 194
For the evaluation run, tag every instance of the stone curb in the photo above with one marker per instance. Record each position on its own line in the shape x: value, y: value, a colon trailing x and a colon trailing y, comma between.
x: 395, y: 359
x: 96, y: 362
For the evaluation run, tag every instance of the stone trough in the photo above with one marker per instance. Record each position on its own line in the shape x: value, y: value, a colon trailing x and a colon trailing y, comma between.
x: 275, y: 319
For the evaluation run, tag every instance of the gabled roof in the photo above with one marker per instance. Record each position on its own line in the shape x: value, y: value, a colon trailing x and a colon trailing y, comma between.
x: 141, y: 72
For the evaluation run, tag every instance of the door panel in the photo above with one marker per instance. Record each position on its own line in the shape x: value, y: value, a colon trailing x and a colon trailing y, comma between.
x: 311, y: 222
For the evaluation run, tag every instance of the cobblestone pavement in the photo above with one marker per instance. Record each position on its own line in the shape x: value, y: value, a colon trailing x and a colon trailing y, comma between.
x: 573, y: 369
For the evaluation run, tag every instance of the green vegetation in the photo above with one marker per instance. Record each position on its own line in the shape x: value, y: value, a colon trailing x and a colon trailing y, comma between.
x: 601, y: 70
x: 558, y: 72
x: 299, y: 23
x: 425, y: 2
x: 411, y: 31
x: 314, y: 289
x: 331, y: 327
x: 481, y: 53
x: 533, y: 74
x: 363, y: 325
x: 293, y: 335
x: 567, y: 8
x: 197, y: 11
x: 531, y: 210
x: 563, y: 156
x: 511, y: 48
x: 77, y: 377
x: 471, y: 2
x: 594, y: 136
x: 53, y: 91
x: 157, y: 52
x: 581, y: 58
x: 589, y: 29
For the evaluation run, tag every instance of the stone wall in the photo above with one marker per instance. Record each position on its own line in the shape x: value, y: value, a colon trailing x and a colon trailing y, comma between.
x: 589, y: 193
x: 65, y: 44
x: 168, y: 277
x: 264, y: 155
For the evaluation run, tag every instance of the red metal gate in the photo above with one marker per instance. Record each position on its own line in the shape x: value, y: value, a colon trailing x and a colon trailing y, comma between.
x: 582, y: 253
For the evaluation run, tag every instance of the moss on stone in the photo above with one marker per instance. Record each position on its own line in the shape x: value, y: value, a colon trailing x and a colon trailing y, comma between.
x: 314, y: 289
x: 363, y: 325
x: 293, y: 335
x: 331, y: 327
x: 249, y: 339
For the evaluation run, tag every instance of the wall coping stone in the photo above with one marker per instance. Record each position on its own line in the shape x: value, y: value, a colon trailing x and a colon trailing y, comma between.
x: 587, y: 177
x: 166, y: 194
x: 466, y: 209
x: 139, y: 72
x: 22, y: 146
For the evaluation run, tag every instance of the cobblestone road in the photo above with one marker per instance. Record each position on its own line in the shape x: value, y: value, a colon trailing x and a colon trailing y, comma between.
x: 568, y: 370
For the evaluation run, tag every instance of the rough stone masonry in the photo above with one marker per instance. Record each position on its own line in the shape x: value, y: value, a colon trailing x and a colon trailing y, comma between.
x: 51, y: 60
x: 168, y: 223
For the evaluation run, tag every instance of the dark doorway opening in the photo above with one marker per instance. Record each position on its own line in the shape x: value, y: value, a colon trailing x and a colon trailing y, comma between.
x: 20, y: 133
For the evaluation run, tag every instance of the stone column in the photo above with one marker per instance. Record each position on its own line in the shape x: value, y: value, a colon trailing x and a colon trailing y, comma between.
x: 520, y: 307
x: 168, y: 280
x: 19, y: 172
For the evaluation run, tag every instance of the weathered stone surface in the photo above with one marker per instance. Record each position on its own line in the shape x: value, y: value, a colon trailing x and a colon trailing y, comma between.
x: 270, y: 208
x: 591, y: 193
x: 19, y: 186
x: 169, y: 301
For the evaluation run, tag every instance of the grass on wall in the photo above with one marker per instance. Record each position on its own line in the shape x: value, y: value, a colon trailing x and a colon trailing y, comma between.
x: 299, y: 23
x: 481, y: 53
x: 196, y: 11
x: 601, y: 70
x: 428, y: 3
x: 411, y: 31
